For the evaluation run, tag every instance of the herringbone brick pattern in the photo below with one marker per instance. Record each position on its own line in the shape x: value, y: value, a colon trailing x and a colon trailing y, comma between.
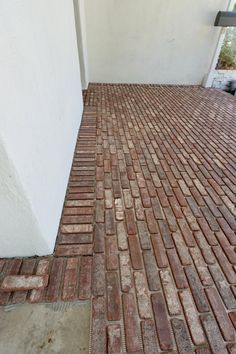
x: 148, y: 227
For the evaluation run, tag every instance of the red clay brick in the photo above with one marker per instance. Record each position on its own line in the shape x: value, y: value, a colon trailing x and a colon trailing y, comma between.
x: 79, y: 203
x: 77, y: 228
x: 180, y: 197
x: 24, y: 282
x: 181, y: 248
x: 225, y: 265
x: 74, y: 250
x: 116, y: 189
x: 151, y: 221
x: 78, y: 211
x: 229, y: 233
x: 70, y: 280
x: 232, y: 316
x: 187, y: 233
x: 156, y: 179
x: 119, y: 209
x: 175, y: 207
x: 100, y: 213
x: 197, y: 197
x: 213, y: 334
x: 75, y: 239
x: 159, y: 251
x: 98, y: 326
x: 151, y: 271
x: 139, y: 209
x: 99, y: 190
x: 157, y: 208
x: 125, y: 271
x: 221, y: 315
x: 204, y: 247
x: 181, y: 336
x: 42, y: 269
x: 231, y: 348
x: 85, y: 277
x: 194, y: 207
x: 110, y: 222
x: 211, y: 205
x: 170, y: 293
x: 184, y: 188
x: 122, y: 236
x: 201, y: 267
x: 108, y: 199
x: 190, y: 218
x: 135, y: 252
x: 223, y: 287
x: 140, y: 180
x: 197, y: 290
x: 210, y: 219
x: 114, y: 340
x: 144, y: 236
x: 162, y: 322
x: 130, y: 222
x: 54, y: 285
x: 145, y: 198
x: 132, y: 330
x: 27, y: 268
x: 165, y: 233
x: 228, y: 217
x: 99, y: 238
x: 203, y: 351
x: 144, y: 305
x: 211, y: 239
x: 192, y: 318
x: 111, y: 253
x: 149, y: 337
x: 98, y: 274
x: 113, y: 299
x: 80, y: 219
x: 162, y: 197
x: 179, y: 276
x: 151, y: 189
x: 228, y: 249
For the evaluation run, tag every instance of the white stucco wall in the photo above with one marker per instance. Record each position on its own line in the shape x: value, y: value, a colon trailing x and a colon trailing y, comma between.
x: 155, y: 41
x: 40, y: 113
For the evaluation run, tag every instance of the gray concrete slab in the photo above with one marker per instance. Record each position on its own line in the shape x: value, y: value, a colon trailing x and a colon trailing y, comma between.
x: 61, y: 328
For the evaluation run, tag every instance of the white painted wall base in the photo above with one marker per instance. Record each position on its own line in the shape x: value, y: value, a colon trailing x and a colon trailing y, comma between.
x: 40, y: 113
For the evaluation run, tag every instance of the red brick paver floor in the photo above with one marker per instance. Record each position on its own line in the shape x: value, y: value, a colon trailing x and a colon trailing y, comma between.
x: 148, y: 227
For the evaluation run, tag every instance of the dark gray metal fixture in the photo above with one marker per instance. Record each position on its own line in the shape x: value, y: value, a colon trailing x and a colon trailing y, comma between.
x: 226, y: 19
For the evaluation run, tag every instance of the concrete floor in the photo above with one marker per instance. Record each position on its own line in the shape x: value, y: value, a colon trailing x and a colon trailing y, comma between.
x: 45, y: 328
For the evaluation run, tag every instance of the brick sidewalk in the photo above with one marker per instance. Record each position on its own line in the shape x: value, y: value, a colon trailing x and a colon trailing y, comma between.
x: 148, y: 227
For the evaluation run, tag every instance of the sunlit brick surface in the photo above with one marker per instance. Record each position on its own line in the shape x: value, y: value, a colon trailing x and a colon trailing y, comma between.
x: 148, y: 226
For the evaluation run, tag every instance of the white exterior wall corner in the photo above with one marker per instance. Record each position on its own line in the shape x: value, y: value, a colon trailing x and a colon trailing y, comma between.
x: 40, y: 113
x: 80, y: 21
x: 210, y: 76
x: 155, y: 41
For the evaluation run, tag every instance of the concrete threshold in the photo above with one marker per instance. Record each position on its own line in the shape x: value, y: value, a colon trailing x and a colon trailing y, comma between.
x: 56, y: 328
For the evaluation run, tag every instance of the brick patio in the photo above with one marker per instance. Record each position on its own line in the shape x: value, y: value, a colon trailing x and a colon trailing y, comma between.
x: 148, y: 226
